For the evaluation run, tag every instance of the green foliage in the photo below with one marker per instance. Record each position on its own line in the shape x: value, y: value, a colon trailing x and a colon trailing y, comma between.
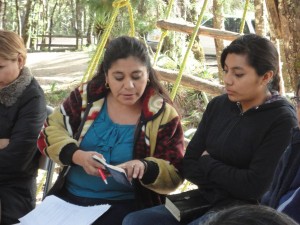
x: 100, y: 11
x: 55, y: 97
x: 11, y: 23
x: 145, y: 14
x: 232, y: 6
x: 192, y: 107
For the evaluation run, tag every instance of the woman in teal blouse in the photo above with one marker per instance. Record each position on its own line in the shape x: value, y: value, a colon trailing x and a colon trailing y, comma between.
x: 123, y: 115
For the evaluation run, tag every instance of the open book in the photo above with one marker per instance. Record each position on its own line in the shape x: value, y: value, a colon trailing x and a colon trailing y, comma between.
x: 117, y: 173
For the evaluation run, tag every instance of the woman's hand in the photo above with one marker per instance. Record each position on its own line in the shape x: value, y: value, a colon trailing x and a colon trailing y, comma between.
x: 86, y: 161
x: 3, y: 142
x: 205, y: 153
x: 134, y: 169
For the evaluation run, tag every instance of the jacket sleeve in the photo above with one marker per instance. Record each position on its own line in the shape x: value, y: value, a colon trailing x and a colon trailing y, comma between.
x: 168, y: 155
x: 269, y: 197
x: 191, y: 167
x: 19, y: 153
x: 58, y: 133
x: 251, y: 182
x: 285, y: 180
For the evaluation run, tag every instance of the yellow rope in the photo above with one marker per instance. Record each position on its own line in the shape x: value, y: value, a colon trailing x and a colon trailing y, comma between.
x: 163, y: 35
x: 117, y: 4
x: 195, y: 32
x: 244, y: 17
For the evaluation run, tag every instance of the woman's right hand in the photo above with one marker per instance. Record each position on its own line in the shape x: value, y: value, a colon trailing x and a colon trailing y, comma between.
x: 86, y: 161
x: 3, y: 142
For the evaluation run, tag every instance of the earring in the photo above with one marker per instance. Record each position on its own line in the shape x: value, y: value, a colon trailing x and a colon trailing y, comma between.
x: 106, y: 85
x: 148, y: 81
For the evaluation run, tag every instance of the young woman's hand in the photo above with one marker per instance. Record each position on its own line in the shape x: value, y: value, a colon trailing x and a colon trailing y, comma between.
x: 86, y: 161
x: 205, y: 153
x: 3, y: 142
x: 134, y: 169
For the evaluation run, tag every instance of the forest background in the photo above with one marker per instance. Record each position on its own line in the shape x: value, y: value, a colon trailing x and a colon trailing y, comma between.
x: 38, y: 21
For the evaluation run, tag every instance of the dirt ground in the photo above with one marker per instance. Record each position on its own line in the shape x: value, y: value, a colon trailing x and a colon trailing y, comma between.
x: 60, y: 68
x: 66, y: 69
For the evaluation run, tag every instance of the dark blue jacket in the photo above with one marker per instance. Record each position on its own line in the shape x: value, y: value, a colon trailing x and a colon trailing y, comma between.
x: 284, y: 194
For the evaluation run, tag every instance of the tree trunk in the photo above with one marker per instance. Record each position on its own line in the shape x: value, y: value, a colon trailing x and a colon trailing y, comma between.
x: 90, y: 29
x: 260, y: 17
x: 180, y: 9
x: 51, y: 24
x: 18, y: 18
x: 79, y: 23
x: 44, y: 22
x: 197, y: 49
x: 2, y: 6
x: 26, y: 24
x: 141, y: 7
x: 219, y: 24
x: 285, y: 19
x: 3, y: 17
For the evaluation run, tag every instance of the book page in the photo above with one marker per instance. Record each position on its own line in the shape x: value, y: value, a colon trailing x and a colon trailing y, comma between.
x: 103, y: 162
x: 55, y: 211
x: 117, y: 173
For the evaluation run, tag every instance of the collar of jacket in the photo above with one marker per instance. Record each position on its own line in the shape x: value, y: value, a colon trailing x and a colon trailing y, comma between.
x: 275, y: 100
x: 10, y: 94
x: 152, y: 102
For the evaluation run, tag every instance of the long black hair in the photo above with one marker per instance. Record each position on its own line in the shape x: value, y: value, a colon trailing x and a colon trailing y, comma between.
x: 124, y: 47
x: 261, y: 54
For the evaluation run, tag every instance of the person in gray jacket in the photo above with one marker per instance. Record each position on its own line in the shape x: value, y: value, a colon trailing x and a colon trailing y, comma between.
x: 22, y: 113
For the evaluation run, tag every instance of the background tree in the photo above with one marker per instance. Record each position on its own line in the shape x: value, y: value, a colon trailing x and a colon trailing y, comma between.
x: 219, y: 24
x: 260, y: 17
x: 51, y: 22
x: 284, y: 16
x: 2, y: 13
x: 18, y: 17
x: 26, y: 23
x: 79, y: 22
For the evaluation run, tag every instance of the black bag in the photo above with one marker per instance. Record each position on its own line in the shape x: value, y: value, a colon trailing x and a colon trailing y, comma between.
x: 59, y: 183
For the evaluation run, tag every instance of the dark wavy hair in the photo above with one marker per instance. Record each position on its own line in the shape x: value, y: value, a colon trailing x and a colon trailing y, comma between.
x: 250, y: 215
x: 261, y: 54
x: 122, y: 48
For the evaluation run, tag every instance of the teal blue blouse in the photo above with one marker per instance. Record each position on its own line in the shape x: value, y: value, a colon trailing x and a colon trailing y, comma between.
x: 115, y: 143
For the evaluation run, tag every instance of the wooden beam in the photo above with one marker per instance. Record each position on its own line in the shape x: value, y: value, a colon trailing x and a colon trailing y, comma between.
x: 189, y: 81
x: 188, y: 28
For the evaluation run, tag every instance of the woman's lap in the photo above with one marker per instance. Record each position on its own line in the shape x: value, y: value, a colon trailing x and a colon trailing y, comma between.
x: 159, y: 215
x: 113, y: 216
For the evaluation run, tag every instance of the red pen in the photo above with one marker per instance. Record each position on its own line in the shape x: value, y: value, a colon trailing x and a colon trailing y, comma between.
x: 102, y: 175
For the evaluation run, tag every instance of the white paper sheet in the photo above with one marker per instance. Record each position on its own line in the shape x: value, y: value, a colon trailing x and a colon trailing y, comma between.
x: 55, y: 211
